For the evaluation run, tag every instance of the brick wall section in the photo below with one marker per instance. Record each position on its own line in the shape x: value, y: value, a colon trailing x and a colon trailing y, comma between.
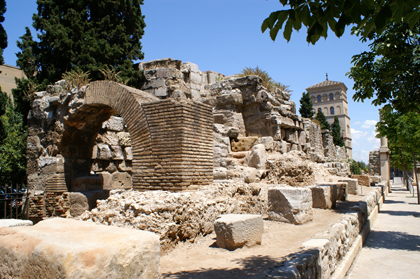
x: 181, y: 147
x: 172, y: 141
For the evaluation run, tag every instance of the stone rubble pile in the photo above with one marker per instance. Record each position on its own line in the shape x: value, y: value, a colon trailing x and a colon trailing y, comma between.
x: 178, y: 216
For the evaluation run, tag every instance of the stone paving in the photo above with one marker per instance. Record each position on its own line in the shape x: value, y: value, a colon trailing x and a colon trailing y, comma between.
x: 392, y: 247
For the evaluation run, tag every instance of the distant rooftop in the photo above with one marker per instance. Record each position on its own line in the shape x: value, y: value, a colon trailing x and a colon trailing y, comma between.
x: 326, y: 83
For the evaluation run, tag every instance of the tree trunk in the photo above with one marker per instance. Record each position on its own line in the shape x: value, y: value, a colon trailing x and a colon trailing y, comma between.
x: 405, y: 179
x: 417, y: 182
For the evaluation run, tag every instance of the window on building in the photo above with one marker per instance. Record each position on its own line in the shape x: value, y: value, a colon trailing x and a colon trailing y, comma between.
x: 332, y: 110
x: 331, y: 97
x: 319, y: 98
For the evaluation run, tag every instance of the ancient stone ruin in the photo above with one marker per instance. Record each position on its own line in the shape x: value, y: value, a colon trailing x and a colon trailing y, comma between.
x: 182, y: 130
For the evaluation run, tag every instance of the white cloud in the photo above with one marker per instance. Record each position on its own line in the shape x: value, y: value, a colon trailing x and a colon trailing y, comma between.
x: 373, y: 140
x: 355, y: 134
x: 369, y: 124
x: 354, y: 143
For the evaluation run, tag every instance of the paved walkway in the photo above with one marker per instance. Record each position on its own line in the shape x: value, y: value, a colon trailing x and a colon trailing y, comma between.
x: 392, y: 249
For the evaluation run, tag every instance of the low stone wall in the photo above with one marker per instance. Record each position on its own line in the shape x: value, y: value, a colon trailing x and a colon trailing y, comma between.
x: 322, y: 254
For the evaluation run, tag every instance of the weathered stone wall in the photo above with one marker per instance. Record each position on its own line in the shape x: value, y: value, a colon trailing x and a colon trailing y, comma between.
x: 321, y: 255
x: 374, y: 163
x: 161, y: 144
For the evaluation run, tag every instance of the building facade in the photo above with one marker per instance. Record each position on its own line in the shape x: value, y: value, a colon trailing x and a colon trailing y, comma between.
x: 331, y: 97
x: 7, y: 78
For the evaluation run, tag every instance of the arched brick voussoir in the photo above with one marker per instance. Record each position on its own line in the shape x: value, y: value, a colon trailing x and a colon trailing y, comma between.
x: 127, y: 101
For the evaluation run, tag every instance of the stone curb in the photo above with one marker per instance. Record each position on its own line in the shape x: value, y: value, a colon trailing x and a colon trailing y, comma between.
x: 311, y: 261
x: 346, y: 263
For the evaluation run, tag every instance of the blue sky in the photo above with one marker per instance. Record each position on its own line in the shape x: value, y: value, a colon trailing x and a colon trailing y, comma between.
x: 225, y: 36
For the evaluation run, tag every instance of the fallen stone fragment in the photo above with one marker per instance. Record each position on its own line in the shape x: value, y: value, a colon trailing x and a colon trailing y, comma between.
x: 237, y: 230
x: 290, y: 205
x: 353, y: 186
x: 341, y: 189
x: 66, y: 248
x: 324, y: 196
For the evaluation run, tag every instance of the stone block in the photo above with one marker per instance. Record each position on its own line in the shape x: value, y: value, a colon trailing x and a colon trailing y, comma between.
x: 121, y: 180
x: 363, y: 180
x: 94, y: 196
x: 109, y: 138
x: 257, y: 157
x: 375, y: 179
x: 163, y: 73
x: 237, y: 230
x: 114, y: 123
x: 86, y: 183
x: 352, y: 185
x: 124, y: 139
x: 341, y: 189
x: 128, y: 153
x: 117, y: 152
x: 106, y: 180
x: 243, y: 143
x: 324, y: 196
x: 161, y: 92
x: 67, y: 248
x: 191, y: 67
x: 103, y: 152
x: 267, y: 141
x: 251, y: 175
x: 219, y: 173
x: 78, y: 203
x: 289, y: 204
x: 195, y: 78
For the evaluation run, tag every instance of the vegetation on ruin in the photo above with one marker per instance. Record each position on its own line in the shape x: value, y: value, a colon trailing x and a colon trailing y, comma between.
x: 336, y: 133
x: 318, y: 16
x: 75, y: 79
x: 267, y: 80
x: 320, y: 116
x: 306, y: 106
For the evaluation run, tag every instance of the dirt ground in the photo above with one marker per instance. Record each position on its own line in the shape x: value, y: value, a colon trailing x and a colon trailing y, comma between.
x: 203, y: 259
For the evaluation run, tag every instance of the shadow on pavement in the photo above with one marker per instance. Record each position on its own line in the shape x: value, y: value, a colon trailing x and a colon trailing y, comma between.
x: 391, y: 201
x: 250, y: 267
x: 393, y: 240
x: 399, y: 213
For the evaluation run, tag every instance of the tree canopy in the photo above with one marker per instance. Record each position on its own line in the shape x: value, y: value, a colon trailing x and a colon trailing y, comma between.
x: 320, y: 116
x: 403, y: 133
x: 84, y: 34
x: 3, y: 35
x: 306, y: 106
x: 390, y: 71
x: 336, y: 133
x: 320, y: 15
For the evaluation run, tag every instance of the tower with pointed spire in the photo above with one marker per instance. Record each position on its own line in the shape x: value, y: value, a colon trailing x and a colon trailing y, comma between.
x: 331, y: 97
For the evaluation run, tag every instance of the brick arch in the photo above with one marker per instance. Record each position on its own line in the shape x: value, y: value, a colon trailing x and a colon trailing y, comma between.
x: 127, y: 102
x: 172, y: 141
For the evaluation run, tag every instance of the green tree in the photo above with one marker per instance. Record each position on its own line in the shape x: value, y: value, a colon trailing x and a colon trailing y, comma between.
x: 320, y: 15
x: 89, y: 35
x: 12, y: 147
x: 403, y: 133
x: 3, y: 35
x: 336, y: 133
x: 355, y: 167
x: 390, y: 71
x: 320, y: 116
x: 306, y: 106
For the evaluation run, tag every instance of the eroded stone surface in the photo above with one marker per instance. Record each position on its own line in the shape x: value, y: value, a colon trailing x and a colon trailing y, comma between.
x: 290, y: 204
x: 65, y: 248
x: 324, y: 196
x: 237, y: 230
